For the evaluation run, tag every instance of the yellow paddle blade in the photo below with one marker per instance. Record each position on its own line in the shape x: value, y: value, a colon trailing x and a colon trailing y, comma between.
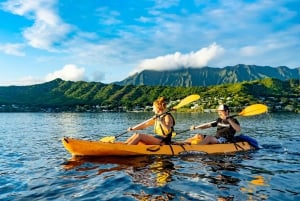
x: 187, y: 100
x: 110, y: 139
x: 254, y: 109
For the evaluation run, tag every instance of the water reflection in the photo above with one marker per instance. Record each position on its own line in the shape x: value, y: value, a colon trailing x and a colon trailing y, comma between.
x: 166, y: 176
x: 160, y: 172
x: 162, y: 169
x: 149, y: 171
x: 271, y: 173
x: 142, y: 196
x: 120, y: 162
x: 225, y: 172
x: 253, y: 189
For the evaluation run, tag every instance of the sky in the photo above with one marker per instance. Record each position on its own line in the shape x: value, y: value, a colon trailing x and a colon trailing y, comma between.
x: 109, y: 40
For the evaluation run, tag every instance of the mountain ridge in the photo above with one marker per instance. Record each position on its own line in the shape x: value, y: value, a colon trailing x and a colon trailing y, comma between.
x: 207, y: 76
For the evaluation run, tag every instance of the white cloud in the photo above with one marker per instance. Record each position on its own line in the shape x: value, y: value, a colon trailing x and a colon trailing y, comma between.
x: 24, y: 81
x: 29, y: 80
x: 108, y: 16
x: 161, y: 4
x: 68, y: 72
x: 178, y: 60
x: 12, y: 49
x: 48, y: 28
x: 43, y: 35
x: 249, y: 51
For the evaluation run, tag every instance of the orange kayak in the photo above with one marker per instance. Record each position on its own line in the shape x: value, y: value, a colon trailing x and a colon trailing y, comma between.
x: 79, y: 147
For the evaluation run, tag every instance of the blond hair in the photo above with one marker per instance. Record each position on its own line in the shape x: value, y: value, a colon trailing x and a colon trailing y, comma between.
x: 160, y: 103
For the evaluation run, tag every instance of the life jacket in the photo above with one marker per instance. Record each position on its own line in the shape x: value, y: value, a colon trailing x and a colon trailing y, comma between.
x: 158, y: 129
x: 224, y: 128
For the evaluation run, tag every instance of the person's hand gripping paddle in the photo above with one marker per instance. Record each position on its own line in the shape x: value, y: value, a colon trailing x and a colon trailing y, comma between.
x: 187, y: 100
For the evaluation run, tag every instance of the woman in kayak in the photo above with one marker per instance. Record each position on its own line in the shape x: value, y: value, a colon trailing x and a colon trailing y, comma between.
x: 226, y: 128
x: 163, y: 126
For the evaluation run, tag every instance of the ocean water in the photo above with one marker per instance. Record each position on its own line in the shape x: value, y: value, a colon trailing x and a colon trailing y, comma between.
x: 35, y: 166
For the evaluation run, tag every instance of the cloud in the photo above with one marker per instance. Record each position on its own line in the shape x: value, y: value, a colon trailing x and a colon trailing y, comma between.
x: 108, y: 16
x: 28, y: 80
x: 249, y: 51
x: 161, y: 4
x: 178, y: 60
x: 98, y: 76
x: 47, y: 30
x: 12, y: 49
x: 68, y: 72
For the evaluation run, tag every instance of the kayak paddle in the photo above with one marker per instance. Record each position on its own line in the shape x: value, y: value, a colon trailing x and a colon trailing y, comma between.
x: 250, y: 110
x: 187, y: 100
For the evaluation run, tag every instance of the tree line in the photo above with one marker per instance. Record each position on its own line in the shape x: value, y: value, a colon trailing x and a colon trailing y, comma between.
x: 60, y: 95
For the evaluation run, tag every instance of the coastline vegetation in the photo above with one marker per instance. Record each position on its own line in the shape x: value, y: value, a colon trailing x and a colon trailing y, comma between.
x: 67, y: 96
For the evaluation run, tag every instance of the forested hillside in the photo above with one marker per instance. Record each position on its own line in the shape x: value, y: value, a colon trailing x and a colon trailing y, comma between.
x: 59, y: 95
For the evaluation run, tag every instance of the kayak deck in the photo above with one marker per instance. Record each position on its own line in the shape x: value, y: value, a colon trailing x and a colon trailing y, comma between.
x: 79, y: 147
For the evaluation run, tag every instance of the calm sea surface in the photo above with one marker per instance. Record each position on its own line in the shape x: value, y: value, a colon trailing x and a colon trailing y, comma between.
x: 35, y: 166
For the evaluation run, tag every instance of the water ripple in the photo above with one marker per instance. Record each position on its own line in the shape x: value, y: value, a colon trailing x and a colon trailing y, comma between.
x: 35, y: 166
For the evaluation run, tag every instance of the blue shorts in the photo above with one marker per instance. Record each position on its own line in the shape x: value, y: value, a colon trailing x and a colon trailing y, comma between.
x: 222, y: 140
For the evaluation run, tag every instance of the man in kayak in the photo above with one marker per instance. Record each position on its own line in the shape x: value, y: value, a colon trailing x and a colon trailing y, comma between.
x: 226, y: 128
x: 163, y: 126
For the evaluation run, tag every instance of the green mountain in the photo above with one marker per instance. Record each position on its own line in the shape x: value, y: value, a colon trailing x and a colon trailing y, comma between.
x: 208, y: 76
x: 59, y: 95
